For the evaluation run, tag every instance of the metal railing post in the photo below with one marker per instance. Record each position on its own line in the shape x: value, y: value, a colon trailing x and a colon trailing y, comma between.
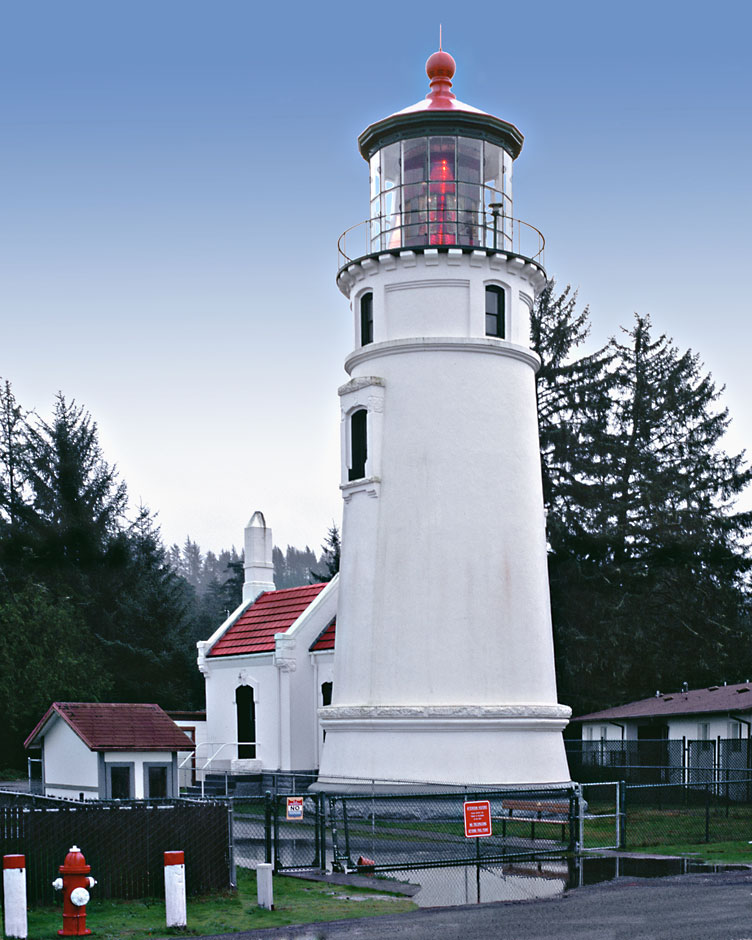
x: 268, y: 827
x: 231, y: 845
x: 707, y: 814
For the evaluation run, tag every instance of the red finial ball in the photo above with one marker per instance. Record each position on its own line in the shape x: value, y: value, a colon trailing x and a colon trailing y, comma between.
x: 440, y: 65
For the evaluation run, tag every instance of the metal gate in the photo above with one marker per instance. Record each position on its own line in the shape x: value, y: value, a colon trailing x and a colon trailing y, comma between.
x: 601, y: 816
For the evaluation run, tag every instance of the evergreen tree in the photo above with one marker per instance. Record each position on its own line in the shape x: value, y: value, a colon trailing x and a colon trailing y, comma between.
x: 330, y: 557
x: 648, y: 563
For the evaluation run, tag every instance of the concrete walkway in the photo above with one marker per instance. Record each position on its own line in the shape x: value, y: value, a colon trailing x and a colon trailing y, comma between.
x: 687, y: 907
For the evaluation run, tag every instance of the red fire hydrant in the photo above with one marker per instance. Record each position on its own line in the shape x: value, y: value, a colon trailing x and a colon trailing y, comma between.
x: 75, y: 885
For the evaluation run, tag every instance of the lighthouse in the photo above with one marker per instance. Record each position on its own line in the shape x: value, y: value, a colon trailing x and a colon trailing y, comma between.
x: 444, y: 666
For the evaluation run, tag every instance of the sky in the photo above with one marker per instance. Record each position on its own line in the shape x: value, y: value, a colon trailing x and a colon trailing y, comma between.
x: 174, y: 176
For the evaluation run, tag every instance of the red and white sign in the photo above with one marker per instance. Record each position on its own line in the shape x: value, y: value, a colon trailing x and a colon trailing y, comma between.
x: 294, y: 807
x: 477, y: 818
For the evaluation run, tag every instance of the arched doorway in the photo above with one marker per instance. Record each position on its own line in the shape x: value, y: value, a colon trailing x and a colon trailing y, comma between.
x: 246, y: 712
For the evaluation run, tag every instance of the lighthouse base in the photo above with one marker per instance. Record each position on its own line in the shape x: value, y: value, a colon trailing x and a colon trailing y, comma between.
x: 447, y: 744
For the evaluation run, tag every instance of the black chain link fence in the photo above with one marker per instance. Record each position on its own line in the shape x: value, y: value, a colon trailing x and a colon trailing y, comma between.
x: 381, y: 832
x: 123, y: 842
x: 669, y: 816
x: 677, y: 761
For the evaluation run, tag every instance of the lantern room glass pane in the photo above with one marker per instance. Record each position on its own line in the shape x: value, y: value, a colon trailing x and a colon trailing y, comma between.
x: 469, y: 153
x: 493, y: 166
x: 375, y: 174
x: 390, y: 167
x: 414, y: 160
x: 442, y: 191
x: 443, y: 164
x: 469, y: 214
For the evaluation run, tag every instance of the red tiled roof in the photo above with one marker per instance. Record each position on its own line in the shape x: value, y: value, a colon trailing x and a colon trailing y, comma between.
x: 272, y: 612
x: 715, y: 698
x: 325, y: 639
x: 117, y: 726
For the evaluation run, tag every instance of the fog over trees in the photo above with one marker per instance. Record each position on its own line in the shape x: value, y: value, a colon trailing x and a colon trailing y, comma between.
x: 648, y: 554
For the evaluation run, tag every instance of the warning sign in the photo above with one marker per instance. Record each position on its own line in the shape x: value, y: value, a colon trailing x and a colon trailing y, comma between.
x: 294, y: 807
x: 477, y: 818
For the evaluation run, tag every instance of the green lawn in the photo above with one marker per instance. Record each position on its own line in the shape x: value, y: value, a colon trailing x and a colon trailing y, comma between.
x: 295, y: 902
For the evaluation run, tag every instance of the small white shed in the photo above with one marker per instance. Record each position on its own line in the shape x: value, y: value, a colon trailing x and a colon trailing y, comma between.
x: 108, y: 751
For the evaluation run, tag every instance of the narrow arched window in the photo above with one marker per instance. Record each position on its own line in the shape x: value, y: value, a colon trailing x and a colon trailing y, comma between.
x: 358, y: 444
x: 246, y: 715
x: 495, y: 311
x: 366, y: 319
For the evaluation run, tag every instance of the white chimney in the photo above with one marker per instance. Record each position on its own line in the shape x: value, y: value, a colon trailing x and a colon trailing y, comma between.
x: 259, y: 567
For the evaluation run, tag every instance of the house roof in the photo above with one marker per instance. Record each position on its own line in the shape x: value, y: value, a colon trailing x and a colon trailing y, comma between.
x: 325, y: 639
x: 714, y: 698
x: 116, y: 726
x: 272, y: 612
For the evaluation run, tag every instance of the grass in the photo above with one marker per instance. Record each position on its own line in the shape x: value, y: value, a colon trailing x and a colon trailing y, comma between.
x: 295, y: 902
x: 733, y: 853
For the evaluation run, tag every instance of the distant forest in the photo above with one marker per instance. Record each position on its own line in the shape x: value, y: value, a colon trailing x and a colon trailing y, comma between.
x: 649, y: 556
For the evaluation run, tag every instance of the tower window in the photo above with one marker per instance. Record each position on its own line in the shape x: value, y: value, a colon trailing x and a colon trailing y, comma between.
x: 495, y: 311
x: 366, y: 319
x: 358, y: 444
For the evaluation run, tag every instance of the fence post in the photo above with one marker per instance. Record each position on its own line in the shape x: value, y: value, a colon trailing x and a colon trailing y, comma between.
x: 268, y: 827
x: 707, y: 814
x: 573, y: 803
x: 622, y: 811
x: 275, y: 817
x: 174, y: 880
x: 322, y: 824
x: 14, y: 892
x: 231, y: 843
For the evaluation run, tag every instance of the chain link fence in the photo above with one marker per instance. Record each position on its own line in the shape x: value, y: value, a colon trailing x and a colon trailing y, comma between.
x: 649, y: 762
x: 668, y: 817
x: 397, y: 831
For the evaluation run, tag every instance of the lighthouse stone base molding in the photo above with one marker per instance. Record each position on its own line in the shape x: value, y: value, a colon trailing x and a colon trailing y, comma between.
x: 445, y: 744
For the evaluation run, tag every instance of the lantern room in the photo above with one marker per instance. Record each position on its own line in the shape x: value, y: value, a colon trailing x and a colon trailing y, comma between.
x: 441, y: 175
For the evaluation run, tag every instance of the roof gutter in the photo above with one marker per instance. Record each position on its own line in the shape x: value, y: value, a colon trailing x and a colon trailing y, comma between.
x: 618, y: 726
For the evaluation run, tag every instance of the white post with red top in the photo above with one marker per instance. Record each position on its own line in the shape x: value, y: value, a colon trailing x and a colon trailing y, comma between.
x: 14, y: 893
x: 174, y: 879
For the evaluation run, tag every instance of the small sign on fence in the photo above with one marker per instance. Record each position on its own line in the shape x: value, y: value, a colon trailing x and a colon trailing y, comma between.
x: 294, y: 807
x: 477, y: 818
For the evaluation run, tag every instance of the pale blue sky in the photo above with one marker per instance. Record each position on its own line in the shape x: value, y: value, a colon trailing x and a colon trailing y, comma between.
x: 174, y: 176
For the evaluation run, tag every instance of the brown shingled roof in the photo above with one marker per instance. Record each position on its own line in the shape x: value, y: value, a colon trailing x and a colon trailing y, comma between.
x: 714, y: 698
x: 272, y: 612
x: 117, y: 726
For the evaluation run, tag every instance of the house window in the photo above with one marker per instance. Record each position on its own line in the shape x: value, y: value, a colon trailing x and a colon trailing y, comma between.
x: 246, y: 715
x: 156, y: 781
x: 119, y: 781
x: 358, y: 444
x: 495, y: 311
x: 366, y: 319
x: 326, y: 693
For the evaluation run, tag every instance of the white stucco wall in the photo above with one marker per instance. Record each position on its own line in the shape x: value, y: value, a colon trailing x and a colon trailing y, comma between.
x: 186, y: 759
x: 138, y: 759
x: 444, y: 668
x: 70, y: 768
x: 285, y: 695
x: 697, y: 727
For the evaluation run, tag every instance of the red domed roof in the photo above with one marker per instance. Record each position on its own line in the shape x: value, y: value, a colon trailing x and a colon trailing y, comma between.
x: 440, y: 107
x: 440, y: 68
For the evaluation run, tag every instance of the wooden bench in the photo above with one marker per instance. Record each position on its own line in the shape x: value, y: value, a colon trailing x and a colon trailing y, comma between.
x: 548, y: 811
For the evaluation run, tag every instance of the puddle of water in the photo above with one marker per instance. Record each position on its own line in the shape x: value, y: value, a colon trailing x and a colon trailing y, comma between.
x: 523, y: 881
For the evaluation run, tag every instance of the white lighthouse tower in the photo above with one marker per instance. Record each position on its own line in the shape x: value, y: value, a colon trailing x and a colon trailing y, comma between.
x: 444, y: 667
